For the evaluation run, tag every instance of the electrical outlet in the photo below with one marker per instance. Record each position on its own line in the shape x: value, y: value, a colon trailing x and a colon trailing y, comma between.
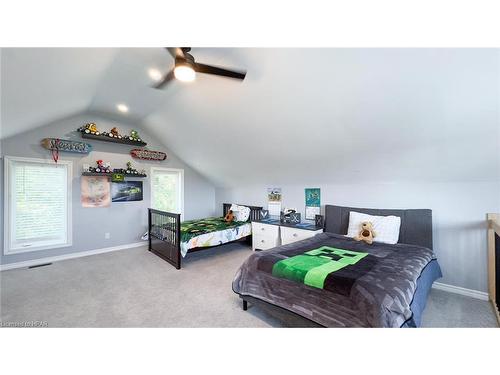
x: 107, y: 236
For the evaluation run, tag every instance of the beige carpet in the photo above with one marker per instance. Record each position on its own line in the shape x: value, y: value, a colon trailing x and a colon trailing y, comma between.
x: 134, y: 288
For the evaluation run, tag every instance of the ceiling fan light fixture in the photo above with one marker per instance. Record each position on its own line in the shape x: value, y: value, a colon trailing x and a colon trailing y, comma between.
x: 184, y: 72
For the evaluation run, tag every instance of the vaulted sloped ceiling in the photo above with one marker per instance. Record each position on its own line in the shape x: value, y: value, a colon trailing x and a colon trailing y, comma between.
x: 40, y: 85
x: 301, y: 115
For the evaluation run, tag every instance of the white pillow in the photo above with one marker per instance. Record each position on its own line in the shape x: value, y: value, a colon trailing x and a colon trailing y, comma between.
x: 386, y: 227
x: 241, y: 213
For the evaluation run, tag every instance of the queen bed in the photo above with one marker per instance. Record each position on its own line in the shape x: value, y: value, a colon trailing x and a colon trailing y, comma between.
x: 172, y: 240
x: 377, y: 285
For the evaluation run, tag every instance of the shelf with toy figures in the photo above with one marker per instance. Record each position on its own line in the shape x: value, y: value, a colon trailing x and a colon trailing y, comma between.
x: 104, y: 169
x: 90, y: 131
x: 94, y: 174
x: 106, y: 138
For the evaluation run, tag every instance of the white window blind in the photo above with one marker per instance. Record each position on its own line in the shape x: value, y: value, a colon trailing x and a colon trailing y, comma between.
x: 38, y: 204
x: 167, y: 189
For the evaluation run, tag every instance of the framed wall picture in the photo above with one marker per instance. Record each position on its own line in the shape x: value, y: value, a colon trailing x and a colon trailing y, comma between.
x: 313, y: 203
x: 95, y: 191
x: 126, y: 191
x: 274, y: 201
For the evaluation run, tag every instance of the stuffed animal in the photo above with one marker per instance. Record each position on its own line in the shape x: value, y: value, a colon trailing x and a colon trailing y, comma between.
x: 229, y: 217
x: 366, y: 233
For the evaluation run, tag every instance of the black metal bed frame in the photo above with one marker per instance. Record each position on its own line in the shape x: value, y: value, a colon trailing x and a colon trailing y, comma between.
x: 164, y: 230
x: 289, y: 318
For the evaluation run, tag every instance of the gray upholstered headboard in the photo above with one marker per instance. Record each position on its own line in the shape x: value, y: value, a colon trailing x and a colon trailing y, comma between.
x: 416, y: 225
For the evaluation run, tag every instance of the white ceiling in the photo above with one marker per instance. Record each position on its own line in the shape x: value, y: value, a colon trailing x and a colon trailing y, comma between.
x: 40, y: 85
x: 315, y: 115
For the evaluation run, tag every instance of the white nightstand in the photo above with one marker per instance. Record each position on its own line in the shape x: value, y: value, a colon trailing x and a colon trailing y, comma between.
x: 265, y: 236
x: 268, y: 235
x: 291, y: 234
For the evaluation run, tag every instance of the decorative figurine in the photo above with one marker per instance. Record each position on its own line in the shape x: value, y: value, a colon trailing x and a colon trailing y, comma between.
x: 134, y: 136
x: 129, y: 170
x: 90, y: 128
x: 114, y: 133
x: 101, y: 167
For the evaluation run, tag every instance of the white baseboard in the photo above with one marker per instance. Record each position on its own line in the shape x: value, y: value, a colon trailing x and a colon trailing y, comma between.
x: 57, y: 258
x: 463, y: 291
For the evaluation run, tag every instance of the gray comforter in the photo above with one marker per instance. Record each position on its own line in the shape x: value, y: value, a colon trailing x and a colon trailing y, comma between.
x: 377, y: 293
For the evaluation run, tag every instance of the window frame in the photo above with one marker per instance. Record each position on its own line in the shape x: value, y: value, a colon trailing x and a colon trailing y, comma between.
x: 8, y: 225
x: 181, y: 190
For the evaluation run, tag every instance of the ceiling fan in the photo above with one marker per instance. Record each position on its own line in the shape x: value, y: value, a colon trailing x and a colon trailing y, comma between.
x: 186, y: 67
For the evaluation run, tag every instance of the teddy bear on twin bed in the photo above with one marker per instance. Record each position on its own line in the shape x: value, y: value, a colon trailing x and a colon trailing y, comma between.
x: 366, y: 233
x: 229, y: 217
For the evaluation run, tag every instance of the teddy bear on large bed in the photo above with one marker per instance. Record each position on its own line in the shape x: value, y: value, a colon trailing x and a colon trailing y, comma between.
x: 366, y: 233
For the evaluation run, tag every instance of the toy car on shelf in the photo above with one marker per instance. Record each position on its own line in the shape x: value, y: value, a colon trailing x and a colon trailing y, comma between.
x: 134, y: 136
x: 90, y: 128
x: 101, y: 167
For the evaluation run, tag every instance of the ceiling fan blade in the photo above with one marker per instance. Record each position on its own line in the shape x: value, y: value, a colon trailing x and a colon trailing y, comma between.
x: 168, y: 77
x: 175, y: 51
x: 209, y: 69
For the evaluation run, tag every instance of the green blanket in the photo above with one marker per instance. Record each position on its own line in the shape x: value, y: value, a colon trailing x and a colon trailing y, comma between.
x: 326, y: 267
x: 193, y: 228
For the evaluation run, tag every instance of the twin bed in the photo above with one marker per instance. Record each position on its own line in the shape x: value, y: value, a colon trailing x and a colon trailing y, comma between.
x: 329, y: 280
x: 172, y: 240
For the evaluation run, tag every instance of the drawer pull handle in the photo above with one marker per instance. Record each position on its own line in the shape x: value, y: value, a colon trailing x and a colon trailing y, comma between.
x: 295, y: 234
x: 262, y: 241
x: 262, y: 228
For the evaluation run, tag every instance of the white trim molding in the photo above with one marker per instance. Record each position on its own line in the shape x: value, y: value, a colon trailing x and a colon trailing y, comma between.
x: 80, y: 254
x: 462, y: 291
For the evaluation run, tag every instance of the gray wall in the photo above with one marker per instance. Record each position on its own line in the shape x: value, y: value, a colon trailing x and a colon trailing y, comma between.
x: 459, y: 210
x: 125, y: 222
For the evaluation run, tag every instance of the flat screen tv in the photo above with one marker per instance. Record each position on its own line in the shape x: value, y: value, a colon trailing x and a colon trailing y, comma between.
x: 126, y: 191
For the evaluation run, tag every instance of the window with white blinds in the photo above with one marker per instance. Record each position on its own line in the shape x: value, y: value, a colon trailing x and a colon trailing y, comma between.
x: 167, y: 189
x: 38, y: 204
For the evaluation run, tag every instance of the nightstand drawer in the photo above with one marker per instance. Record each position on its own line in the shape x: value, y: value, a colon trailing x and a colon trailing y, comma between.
x: 264, y: 242
x: 289, y: 235
x: 265, y: 229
